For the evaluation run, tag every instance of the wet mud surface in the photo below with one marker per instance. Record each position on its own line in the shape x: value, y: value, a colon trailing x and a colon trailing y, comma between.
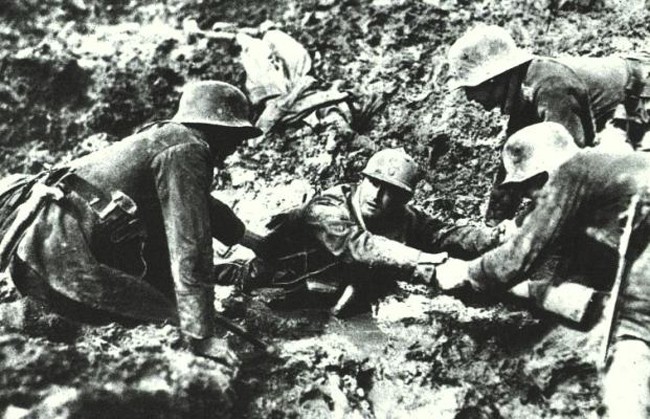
x: 417, y: 356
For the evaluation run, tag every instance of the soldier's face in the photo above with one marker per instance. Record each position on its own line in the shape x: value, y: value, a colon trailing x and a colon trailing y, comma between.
x: 531, y: 186
x: 225, y: 143
x: 489, y: 94
x: 224, y: 149
x: 378, y: 199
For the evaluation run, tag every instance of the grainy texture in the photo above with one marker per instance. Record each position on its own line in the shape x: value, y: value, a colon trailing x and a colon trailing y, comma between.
x: 76, y: 75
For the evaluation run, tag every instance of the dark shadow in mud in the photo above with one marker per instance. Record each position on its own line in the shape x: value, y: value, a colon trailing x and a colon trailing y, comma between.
x: 272, y: 314
x: 281, y: 318
x: 259, y: 371
x: 521, y: 324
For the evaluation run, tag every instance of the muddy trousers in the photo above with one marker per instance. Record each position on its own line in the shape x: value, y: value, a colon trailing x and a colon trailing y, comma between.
x: 62, y: 261
x: 75, y: 306
x: 626, y: 384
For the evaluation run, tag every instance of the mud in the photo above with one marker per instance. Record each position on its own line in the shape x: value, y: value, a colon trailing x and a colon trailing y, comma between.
x: 421, y: 356
x: 76, y: 75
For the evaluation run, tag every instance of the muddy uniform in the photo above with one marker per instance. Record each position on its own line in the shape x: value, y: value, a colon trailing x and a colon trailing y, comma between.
x: 326, y: 242
x: 70, y: 253
x: 581, y: 204
x: 580, y: 93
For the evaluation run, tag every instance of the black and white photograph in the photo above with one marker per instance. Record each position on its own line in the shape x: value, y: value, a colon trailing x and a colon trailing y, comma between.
x: 345, y: 209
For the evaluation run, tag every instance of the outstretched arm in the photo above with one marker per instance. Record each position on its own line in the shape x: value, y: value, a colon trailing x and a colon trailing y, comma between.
x: 329, y: 221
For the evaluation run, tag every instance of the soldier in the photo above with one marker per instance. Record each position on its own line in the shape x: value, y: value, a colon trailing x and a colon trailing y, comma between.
x: 356, y: 239
x: 580, y: 197
x: 580, y: 93
x: 128, y: 231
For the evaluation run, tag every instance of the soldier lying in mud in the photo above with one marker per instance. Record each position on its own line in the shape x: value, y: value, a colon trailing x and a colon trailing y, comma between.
x: 354, y: 240
x: 126, y: 232
x: 584, y: 199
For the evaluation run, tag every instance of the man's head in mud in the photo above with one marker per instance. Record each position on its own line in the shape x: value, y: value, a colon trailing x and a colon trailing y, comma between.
x: 481, y: 61
x: 389, y: 181
x: 533, y: 154
x: 218, y: 110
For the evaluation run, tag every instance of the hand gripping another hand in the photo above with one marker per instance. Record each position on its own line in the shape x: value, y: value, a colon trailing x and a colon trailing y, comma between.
x: 425, y: 270
x: 452, y: 274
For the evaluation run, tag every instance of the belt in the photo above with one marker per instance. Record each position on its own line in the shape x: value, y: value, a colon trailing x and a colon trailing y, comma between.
x: 116, y: 212
x: 94, y: 196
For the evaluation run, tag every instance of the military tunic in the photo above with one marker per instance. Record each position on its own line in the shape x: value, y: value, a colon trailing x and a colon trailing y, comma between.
x: 580, y: 93
x: 167, y: 170
x: 332, y: 243
x: 581, y: 203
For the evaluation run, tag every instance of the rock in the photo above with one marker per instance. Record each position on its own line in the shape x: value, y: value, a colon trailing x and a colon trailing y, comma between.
x: 240, y: 176
x: 62, y: 402
x: 223, y: 26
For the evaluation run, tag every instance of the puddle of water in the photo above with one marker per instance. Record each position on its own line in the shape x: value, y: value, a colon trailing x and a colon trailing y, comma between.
x: 362, y: 331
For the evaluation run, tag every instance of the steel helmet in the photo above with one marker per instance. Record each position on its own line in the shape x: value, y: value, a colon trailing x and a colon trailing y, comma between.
x: 484, y: 52
x: 395, y: 167
x: 538, y: 148
x: 215, y: 103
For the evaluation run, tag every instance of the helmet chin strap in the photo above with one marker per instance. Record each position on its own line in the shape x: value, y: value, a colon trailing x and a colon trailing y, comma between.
x: 368, y: 224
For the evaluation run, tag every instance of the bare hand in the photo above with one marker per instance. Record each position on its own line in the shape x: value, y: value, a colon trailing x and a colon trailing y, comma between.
x: 433, y: 258
x: 216, y: 349
x: 452, y: 274
x: 425, y: 270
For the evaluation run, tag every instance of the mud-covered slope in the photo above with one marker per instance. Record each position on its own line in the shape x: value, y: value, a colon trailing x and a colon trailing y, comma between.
x: 72, y: 68
x: 76, y: 75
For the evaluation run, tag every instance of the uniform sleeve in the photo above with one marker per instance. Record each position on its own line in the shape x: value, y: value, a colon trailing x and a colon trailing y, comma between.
x: 556, y: 206
x: 462, y: 242
x: 225, y: 225
x: 329, y: 221
x: 565, y: 102
x: 183, y: 175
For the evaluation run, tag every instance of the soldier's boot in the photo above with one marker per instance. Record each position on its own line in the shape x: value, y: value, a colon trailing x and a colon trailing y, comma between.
x: 28, y: 316
x: 246, y: 276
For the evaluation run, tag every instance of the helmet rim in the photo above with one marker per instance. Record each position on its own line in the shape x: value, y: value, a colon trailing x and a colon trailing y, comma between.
x: 216, y: 103
x: 395, y: 167
x: 483, y: 52
x: 392, y: 182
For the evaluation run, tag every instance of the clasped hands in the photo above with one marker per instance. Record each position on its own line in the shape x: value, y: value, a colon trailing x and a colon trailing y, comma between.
x: 452, y: 274
x: 439, y: 269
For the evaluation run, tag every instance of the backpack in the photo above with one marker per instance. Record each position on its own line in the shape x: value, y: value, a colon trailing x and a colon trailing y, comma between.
x: 20, y: 203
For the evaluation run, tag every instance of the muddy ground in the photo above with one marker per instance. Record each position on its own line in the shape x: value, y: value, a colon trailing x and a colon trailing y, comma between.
x: 76, y: 75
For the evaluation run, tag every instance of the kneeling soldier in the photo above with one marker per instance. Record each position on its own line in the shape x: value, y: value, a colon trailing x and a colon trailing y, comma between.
x: 127, y: 231
x: 583, y: 199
